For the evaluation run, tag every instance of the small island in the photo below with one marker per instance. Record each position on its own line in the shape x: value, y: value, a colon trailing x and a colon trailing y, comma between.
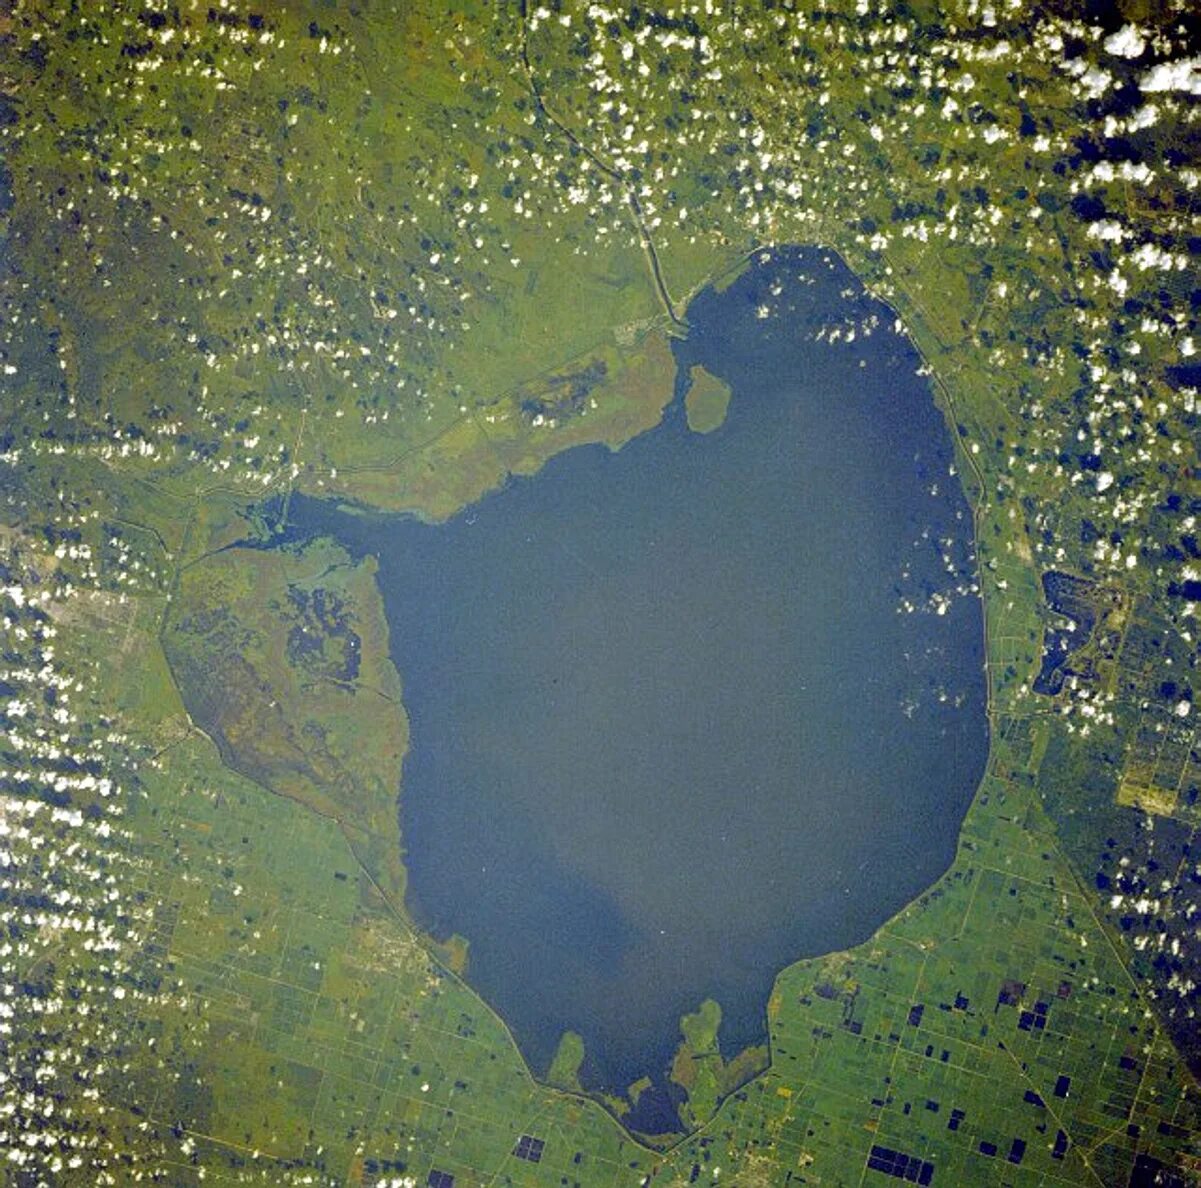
x: 705, y: 401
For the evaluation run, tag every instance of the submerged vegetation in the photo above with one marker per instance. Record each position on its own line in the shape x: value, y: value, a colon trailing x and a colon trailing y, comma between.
x: 393, y: 253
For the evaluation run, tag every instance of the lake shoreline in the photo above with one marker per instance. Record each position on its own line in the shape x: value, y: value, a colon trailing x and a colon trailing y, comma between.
x: 747, y: 1024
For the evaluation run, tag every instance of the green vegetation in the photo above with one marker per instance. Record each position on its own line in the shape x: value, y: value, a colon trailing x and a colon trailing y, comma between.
x: 345, y: 250
x: 565, y: 1067
x: 698, y: 1067
x: 637, y: 1089
x: 281, y: 659
x: 705, y: 401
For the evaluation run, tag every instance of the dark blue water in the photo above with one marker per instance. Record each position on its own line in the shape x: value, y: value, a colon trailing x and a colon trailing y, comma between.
x: 684, y: 713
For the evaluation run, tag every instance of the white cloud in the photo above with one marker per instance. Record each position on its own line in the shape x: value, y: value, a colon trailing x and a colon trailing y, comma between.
x: 1144, y: 117
x: 1109, y: 230
x: 1127, y: 42
x: 1184, y: 75
x: 1096, y: 81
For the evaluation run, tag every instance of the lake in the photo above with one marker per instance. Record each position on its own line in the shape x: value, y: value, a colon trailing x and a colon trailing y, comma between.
x: 687, y: 712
